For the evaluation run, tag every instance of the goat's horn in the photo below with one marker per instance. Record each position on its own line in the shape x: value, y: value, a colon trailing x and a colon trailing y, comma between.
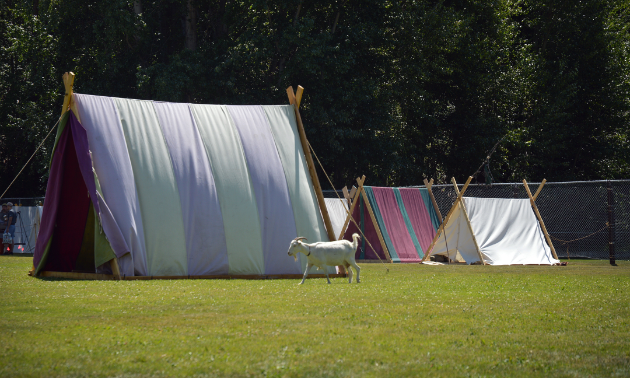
x: 300, y: 238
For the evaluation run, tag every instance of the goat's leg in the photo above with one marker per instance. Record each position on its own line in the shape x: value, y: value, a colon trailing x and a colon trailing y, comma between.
x: 349, y: 271
x: 326, y: 270
x: 308, y: 267
x: 356, y: 267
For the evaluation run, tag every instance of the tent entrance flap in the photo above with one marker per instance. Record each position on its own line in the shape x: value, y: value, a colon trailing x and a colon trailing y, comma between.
x: 72, y: 211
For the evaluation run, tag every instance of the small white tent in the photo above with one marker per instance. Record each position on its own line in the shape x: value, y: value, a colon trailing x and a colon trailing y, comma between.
x: 494, y: 231
x: 338, y: 212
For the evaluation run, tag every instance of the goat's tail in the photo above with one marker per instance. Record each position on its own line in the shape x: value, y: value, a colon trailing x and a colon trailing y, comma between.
x: 355, y: 241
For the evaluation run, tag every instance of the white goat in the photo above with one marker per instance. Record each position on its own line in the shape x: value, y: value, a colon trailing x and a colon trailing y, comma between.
x: 321, y: 254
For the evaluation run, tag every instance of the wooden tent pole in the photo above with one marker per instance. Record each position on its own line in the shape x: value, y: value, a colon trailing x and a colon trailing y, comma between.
x: 309, y: 161
x: 542, y: 224
x: 68, y: 100
x: 376, y: 227
x: 472, y: 232
x: 539, y: 189
x: 429, y: 184
x: 69, y: 104
x: 448, y: 216
x: 351, y: 211
x: 295, y: 101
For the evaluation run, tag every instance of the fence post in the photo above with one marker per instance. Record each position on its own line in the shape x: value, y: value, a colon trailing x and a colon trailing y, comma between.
x: 611, y: 224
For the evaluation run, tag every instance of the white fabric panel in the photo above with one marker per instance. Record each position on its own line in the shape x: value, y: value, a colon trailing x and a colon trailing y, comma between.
x: 203, y: 221
x: 508, y: 231
x: 270, y: 186
x: 112, y: 164
x: 234, y: 187
x: 456, y: 237
x: 308, y: 219
x: 338, y: 212
x: 157, y: 189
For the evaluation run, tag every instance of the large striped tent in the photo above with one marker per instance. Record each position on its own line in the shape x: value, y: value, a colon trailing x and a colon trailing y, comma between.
x: 405, y: 218
x: 174, y: 189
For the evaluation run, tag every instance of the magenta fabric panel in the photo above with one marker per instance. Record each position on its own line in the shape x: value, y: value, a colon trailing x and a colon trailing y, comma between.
x: 66, y: 242
x: 395, y: 224
x: 370, y: 233
x: 275, y: 212
x: 111, y: 229
x: 53, y: 193
x: 206, y: 248
x: 419, y: 216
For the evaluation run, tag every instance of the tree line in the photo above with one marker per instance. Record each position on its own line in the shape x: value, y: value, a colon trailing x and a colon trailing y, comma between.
x: 395, y: 90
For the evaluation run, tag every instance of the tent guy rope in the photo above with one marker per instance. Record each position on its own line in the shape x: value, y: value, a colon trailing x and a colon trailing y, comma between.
x: 347, y: 211
x: 31, y: 158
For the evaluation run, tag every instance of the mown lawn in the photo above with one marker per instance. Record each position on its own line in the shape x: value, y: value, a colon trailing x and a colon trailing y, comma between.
x: 413, y: 320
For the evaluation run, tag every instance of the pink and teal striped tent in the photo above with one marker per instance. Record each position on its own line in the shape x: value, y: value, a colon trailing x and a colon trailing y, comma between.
x: 174, y: 189
x: 407, y: 221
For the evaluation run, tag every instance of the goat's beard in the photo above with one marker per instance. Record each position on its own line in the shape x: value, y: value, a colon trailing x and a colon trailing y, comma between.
x: 294, y: 257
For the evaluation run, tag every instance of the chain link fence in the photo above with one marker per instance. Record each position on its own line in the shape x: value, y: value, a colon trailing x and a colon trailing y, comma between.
x: 582, y: 217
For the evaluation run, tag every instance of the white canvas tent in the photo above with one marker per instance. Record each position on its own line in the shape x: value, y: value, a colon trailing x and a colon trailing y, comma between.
x: 495, y: 231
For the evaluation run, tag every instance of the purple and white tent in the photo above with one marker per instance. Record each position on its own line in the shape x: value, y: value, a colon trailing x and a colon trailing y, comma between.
x: 174, y: 189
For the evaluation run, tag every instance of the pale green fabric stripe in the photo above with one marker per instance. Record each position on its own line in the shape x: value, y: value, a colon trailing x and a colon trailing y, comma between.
x: 308, y: 219
x: 157, y: 189
x: 234, y: 188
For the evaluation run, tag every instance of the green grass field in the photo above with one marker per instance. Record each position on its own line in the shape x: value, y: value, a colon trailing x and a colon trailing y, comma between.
x: 436, y: 320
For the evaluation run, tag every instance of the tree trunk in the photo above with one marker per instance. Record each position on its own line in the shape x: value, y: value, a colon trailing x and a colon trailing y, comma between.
x: 191, y: 26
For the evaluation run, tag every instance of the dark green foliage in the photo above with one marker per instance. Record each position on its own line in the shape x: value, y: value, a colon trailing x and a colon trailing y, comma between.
x: 397, y: 91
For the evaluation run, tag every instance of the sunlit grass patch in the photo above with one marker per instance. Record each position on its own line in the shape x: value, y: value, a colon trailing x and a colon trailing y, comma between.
x: 438, y: 320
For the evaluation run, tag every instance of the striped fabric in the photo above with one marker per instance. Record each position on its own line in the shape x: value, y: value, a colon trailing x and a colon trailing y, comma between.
x: 405, y: 219
x: 202, y: 189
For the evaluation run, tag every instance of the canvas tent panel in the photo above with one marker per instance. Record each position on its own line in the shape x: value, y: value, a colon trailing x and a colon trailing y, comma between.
x: 270, y: 187
x: 369, y: 193
x: 508, y: 231
x: 157, y: 188
x: 236, y: 193
x: 408, y: 224
x: 395, y: 225
x: 84, y: 159
x: 203, y: 222
x: 308, y: 220
x: 112, y: 164
x: 338, y: 211
x: 419, y: 217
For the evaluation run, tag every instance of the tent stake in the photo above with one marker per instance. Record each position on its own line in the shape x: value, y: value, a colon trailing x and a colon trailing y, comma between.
x: 463, y: 205
x: 542, y: 224
x: 448, y: 216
